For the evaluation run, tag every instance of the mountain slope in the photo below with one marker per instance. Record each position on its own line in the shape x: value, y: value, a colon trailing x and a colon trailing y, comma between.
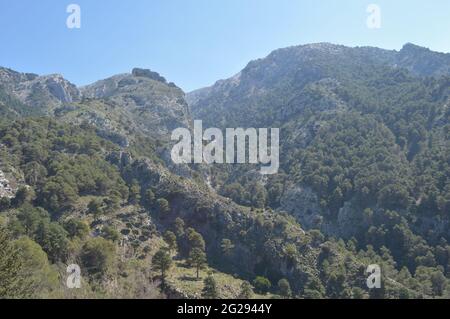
x: 271, y: 85
x: 156, y: 106
x: 364, y: 179
x: 357, y: 126
x: 40, y: 94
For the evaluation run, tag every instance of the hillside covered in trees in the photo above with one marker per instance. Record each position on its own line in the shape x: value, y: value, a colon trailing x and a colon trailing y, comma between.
x: 86, y: 179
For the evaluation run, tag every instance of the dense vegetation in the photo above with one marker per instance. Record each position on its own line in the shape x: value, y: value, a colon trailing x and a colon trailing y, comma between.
x: 365, y: 148
x: 364, y: 179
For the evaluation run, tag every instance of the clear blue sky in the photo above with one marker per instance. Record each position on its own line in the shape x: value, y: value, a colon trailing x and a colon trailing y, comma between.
x: 196, y: 42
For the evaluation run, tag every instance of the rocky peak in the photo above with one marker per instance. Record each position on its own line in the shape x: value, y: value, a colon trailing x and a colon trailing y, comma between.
x: 56, y: 86
x: 41, y: 94
x: 412, y: 48
x: 10, y: 78
x: 422, y: 61
x: 147, y: 73
x: 156, y: 106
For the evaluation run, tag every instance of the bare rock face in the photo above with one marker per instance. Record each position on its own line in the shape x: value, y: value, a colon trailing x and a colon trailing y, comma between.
x: 9, y: 78
x: 155, y: 106
x: 53, y: 89
x: 148, y: 74
x: 303, y: 203
x: 422, y: 61
x: 40, y: 94
x: 6, y: 190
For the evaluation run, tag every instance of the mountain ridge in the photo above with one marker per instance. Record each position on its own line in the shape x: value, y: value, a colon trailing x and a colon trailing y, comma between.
x: 408, y: 48
x: 364, y: 179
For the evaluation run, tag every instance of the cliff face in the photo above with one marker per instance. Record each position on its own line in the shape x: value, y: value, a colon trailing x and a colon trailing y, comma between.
x: 40, y: 94
x: 5, y: 187
x: 259, y: 238
x: 153, y: 104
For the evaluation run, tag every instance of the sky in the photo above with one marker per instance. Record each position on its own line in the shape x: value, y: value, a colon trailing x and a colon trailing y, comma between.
x: 197, y: 42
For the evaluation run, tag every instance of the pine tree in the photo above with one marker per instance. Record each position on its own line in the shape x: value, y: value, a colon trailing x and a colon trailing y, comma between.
x: 162, y: 262
x: 262, y: 285
x: 171, y: 239
x: 197, y: 258
x: 246, y: 291
x: 210, y: 288
x: 179, y: 227
x: 284, y: 288
x: 227, y: 247
x: 13, y: 283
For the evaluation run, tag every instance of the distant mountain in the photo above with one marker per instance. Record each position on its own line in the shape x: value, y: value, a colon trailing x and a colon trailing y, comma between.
x: 154, y: 105
x: 270, y: 86
x: 423, y: 61
x: 351, y: 119
x: 141, y: 103
x: 40, y: 94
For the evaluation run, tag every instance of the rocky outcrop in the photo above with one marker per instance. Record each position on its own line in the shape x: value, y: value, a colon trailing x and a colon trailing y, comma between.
x: 216, y: 218
x: 422, y: 61
x: 153, y: 106
x: 148, y: 74
x: 41, y: 95
x: 303, y: 203
x: 6, y: 190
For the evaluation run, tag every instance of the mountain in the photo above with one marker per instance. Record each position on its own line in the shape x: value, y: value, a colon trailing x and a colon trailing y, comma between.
x: 144, y: 97
x: 154, y: 103
x: 423, y: 61
x: 363, y: 132
x: 40, y: 94
x: 364, y: 179
x: 271, y: 85
x: 94, y: 172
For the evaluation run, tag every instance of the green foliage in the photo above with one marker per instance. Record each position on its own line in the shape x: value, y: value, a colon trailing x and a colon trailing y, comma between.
x: 162, y: 262
x: 149, y: 197
x: 195, y: 239
x: 262, y: 285
x: 171, y: 239
x: 13, y: 279
x: 210, y: 288
x: 52, y: 237
x: 95, y: 207
x: 246, y: 291
x: 61, y: 162
x: 98, y: 256
x: 252, y: 194
x: 23, y: 195
x: 197, y: 259
x: 178, y: 227
x: 5, y: 203
x: 76, y: 228
x: 163, y: 206
x: 227, y: 247
x: 135, y: 192
x: 42, y: 278
x: 110, y: 233
x: 284, y: 288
